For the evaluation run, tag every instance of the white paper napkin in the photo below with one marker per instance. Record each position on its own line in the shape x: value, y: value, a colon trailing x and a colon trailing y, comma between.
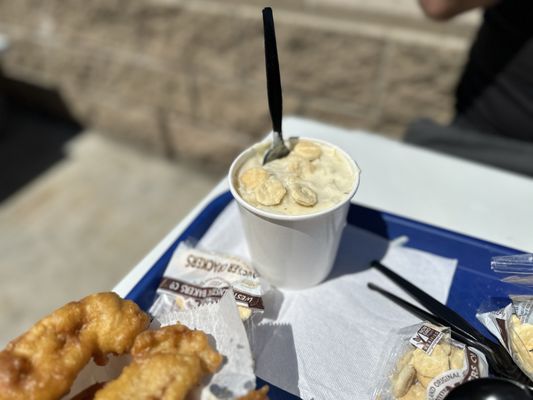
x: 221, y: 321
x: 326, y: 342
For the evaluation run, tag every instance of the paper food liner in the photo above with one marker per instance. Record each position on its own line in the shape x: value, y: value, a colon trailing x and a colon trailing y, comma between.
x: 221, y: 320
x: 93, y: 373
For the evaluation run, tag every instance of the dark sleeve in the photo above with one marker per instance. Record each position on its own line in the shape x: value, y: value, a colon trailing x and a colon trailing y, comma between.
x: 495, y: 92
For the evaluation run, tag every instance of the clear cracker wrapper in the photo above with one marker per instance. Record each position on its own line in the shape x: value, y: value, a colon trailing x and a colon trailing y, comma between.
x: 195, y: 277
x: 513, y: 326
x: 516, y: 269
x: 517, y: 263
x: 424, y: 362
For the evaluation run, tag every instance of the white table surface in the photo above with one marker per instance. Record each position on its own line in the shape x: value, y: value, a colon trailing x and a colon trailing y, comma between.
x: 448, y: 192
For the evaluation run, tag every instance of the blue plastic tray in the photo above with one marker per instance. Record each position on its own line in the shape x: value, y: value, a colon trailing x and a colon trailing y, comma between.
x: 472, y: 285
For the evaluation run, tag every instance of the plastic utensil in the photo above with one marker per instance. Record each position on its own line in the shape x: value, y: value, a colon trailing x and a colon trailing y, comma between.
x: 275, y: 99
x: 433, y: 305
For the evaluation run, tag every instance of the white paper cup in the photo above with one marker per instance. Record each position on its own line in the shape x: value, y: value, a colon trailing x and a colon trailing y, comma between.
x: 292, y: 252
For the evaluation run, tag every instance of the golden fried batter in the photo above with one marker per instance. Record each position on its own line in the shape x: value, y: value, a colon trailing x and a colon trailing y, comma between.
x: 43, y: 363
x: 167, y: 364
x: 177, y: 339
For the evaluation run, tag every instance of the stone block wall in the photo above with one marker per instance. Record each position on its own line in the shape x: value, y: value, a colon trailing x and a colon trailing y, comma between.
x: 185, y: 78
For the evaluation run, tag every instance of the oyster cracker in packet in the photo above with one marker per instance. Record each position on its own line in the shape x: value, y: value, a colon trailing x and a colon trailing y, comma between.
x: 196, y: 277
x: 513, y: 326
x: 426, y: 363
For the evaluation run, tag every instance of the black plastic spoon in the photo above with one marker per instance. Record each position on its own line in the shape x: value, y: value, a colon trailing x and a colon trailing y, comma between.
x: 490, y: 389
x: 275, y: 100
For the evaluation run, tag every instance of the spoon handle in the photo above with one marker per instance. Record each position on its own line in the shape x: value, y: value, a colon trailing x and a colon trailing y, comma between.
x: 452, y: 318
x: 275, y: 101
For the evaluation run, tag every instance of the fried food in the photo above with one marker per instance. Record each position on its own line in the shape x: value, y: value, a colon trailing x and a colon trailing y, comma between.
x: 167, y: 363
x: 89, y: 393
x: 43, y: 363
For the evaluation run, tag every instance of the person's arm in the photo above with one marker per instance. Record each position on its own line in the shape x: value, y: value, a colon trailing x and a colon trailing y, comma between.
x: 442, y: 10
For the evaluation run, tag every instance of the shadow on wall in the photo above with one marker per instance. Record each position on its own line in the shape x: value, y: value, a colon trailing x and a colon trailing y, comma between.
x: 35, y: 124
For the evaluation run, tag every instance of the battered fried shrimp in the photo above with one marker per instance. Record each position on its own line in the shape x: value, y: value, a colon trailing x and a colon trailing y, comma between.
x: 167, y: 364
x: 177, y: 339
x: 43, y: 363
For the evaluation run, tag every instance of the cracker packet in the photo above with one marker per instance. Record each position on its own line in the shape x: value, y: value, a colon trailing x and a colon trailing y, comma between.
x: 425, y: 363
x: 516, y: 269
x: 195, y: 277
x: 513, y: 327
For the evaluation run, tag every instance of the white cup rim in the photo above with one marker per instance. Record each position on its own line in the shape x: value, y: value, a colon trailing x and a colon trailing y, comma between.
x: 236, y: 164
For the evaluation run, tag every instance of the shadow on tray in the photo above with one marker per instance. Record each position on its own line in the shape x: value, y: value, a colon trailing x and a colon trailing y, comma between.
x: 280, y: 337
x: 357, y: 249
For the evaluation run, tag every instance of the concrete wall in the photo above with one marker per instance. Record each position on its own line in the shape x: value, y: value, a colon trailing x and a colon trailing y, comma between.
x: 185, y: 78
